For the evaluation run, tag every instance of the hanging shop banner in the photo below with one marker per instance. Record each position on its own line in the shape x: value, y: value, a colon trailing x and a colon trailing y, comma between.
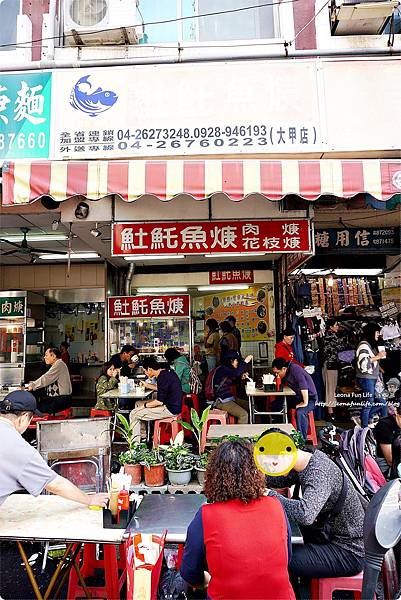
x: 373, y: 239
x: 12, y: 306
x: 128, y: 307
x: 211, y: 237
x: 253, y: 309
x: 126, y: 112
x: 25, y: 106
x: 240, y: 276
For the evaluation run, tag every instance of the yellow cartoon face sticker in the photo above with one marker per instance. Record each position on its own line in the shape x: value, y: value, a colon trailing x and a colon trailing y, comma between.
x: 275, y: 453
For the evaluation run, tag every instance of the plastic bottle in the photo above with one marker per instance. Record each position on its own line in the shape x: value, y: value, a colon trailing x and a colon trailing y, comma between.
x: 278, y: 383
x: 122, y: 502
x: 113, y: 500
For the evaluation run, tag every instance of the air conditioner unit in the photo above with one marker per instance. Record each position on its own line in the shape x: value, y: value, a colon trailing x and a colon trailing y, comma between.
x: 360, y: 17
x: 99, y: 22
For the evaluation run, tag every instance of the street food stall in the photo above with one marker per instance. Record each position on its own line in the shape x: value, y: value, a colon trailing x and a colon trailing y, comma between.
x: 150, y: 323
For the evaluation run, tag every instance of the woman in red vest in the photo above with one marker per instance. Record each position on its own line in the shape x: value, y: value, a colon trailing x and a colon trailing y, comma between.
x: 284, y: 349
x: 238, y: 546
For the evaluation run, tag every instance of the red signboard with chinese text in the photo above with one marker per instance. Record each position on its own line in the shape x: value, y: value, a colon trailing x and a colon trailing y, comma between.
x: 290, y: 235
x: 129, y: 307
x: 240, y: 276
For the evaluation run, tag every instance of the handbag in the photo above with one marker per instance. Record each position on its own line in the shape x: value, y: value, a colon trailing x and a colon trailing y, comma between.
x: 321, y: 531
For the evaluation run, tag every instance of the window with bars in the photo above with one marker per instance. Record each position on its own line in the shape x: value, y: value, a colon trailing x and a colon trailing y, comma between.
x: 256, y: 23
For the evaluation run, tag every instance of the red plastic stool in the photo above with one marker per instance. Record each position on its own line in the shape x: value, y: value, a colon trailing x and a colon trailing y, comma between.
x: 61, y: 415
x: 163, y: 427
x: 214, y: 416
x: 191, y: 401
x: 311, y: 425
x: 322, y: 589
x: 96, y: 412
x: 114, y: 573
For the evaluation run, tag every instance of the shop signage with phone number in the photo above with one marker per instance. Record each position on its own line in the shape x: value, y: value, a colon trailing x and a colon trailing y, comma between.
x: 128, y: 307
x: 211, y: 237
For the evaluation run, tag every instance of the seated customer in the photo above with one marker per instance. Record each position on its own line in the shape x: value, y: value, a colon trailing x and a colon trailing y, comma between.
x: 323, y: 486
x: 181, y: 366
x: 238, y: 546
x: 57, y: 383
x: 224, y: 386
x: 168, y: 401
x: 302, y: 384
x: 106, y: 382
x: 126, y: 360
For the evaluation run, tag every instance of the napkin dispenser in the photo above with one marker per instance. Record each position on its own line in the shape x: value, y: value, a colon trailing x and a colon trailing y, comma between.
x: 268, y: 382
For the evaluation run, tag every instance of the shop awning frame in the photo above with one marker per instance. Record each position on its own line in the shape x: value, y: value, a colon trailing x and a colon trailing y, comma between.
x: 25, y: 182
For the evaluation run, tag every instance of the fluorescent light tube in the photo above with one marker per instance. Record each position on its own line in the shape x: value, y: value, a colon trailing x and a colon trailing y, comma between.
x: 36, y: 237
x: 167, y: 290
x: 356, y: 272
x: 73, y: 256
x: 228, y: 286
x: 140, y: 257
x: 234, y: 254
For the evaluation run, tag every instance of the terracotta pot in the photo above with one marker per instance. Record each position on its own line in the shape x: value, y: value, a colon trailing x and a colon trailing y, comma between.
x: 154, y: 477
x: 135, y: 471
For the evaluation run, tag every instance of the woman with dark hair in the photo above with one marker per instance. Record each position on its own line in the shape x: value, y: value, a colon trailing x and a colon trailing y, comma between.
x: 106, y: 382
x: 179, y: 363
x: 228, y: 341
x: 368, y: 371
x: 224, y: 379
x: 283, y: 348
x: 212, y: 343
x: 239, y: 544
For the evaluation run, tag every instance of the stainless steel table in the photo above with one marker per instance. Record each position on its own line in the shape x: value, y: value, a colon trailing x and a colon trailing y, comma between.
x: 174, y: 512
x: 257, y: 393
x: 245, y: 431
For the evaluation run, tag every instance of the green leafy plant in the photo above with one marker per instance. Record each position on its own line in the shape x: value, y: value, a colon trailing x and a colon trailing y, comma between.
x: 125, y: 430
x: 179, y: 458
x: 202, y: 460
x: 134, y: 456
x: 298, y: 439
x: 152, y: 457
x: 197, y: 424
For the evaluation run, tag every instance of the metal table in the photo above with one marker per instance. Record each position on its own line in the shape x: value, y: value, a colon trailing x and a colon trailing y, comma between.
x: 245, y: 431
x: 51, y: 518
x: 257, y: 393
x: 174, y: 513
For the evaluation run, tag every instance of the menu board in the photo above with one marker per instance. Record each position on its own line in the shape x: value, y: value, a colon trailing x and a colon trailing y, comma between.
x: 252, y: 307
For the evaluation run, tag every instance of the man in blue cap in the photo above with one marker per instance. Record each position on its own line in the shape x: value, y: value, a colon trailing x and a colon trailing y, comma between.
x: 22, y: 467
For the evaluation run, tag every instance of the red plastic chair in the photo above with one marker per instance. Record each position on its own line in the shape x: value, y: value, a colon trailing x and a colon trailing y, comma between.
x: 214, y: 416
x: 35, y: 420
x: 166, y: 429
x: 189, y: 401
x: 311, y: 425
x: 322, y: 589
x: 62, y: 415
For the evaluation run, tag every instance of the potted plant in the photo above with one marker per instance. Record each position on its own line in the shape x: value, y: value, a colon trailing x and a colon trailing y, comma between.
x: 131, y: 460
x: 154, y: 465
x: 179, y: 460
x: 197, y: 428
x: 200, y: 467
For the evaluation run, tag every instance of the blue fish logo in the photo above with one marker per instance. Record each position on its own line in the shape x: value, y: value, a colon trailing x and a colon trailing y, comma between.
x: 89, y: 101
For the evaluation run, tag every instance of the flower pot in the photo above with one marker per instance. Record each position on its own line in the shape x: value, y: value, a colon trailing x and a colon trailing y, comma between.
x: 200, y: 473
x: 135, y: 471
x: 179, y: 477
x: 154, y: 476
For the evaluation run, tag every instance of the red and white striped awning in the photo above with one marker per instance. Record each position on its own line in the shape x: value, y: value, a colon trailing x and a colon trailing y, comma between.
x: 25, y: 182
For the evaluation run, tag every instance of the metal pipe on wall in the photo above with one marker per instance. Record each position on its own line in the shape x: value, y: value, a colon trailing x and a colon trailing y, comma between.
x: 130, y: 274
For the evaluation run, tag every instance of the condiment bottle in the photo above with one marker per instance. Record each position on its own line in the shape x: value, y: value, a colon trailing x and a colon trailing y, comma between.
x: 278, y: 383
x: 113, y: 499
x: 122, y: 502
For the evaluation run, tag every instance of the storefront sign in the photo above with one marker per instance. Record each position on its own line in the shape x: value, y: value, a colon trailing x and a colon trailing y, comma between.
x: 128, y: 307
x: 365, y: 238
x: 12, y: 307
x: 125, y: 112
x: 25, y: 101
x: 231, y: 276
x: 211, y: 237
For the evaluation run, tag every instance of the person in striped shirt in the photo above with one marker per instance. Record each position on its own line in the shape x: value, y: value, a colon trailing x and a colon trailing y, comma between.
x: 368, y: 371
